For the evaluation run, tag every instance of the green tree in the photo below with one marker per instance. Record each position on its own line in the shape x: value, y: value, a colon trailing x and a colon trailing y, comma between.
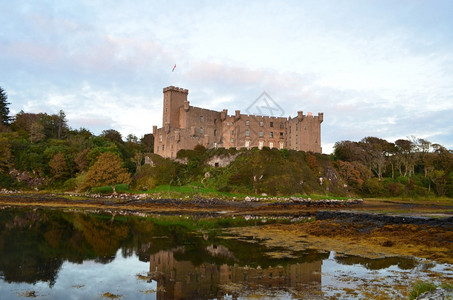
x: 5, y: 154
x: 107, y: 170
x: 147, y: 142
x: 113, y: 136
x: 4, y: 110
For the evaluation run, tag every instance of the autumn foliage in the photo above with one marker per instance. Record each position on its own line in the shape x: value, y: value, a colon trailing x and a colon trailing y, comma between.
x: 107, y: 170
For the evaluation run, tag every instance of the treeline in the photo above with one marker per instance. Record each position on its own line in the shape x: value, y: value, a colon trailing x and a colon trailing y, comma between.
x: 40, y: 151
x: 407, y: 167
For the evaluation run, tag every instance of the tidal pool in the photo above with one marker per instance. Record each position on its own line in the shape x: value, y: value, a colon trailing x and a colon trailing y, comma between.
x: 52, y: 254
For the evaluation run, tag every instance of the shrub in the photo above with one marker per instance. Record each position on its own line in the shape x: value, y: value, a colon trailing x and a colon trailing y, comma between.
x: 395, y: 189
x: 70, y: 184
x: 373, y: 187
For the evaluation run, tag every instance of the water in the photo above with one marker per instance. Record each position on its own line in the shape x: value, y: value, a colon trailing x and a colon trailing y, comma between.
x: 52, y: 254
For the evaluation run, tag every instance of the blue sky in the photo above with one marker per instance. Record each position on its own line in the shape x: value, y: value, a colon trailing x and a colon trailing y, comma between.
x: 375, y: 68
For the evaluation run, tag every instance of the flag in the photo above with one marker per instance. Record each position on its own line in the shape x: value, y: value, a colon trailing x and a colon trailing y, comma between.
x: 174, y: 68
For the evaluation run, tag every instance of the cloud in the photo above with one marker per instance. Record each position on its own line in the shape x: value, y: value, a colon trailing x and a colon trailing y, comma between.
x: 375, y: 69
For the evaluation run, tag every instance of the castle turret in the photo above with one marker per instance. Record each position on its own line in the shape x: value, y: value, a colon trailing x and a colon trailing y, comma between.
x: 174, y: 99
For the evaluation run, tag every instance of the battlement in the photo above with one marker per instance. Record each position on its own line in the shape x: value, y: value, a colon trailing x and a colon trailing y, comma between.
x: 176, y: 89
x: 185, y: 126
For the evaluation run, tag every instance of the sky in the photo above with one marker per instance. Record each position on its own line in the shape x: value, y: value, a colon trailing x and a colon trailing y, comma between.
x: 373, y: 67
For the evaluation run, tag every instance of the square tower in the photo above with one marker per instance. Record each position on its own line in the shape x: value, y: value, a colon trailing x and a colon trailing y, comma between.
x: 174, y: 99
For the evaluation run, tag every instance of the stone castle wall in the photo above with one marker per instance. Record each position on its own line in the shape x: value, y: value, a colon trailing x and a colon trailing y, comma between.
x: 186, y: 126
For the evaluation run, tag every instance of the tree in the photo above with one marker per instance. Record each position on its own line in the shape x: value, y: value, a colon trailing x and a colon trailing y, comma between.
x: 81, y: 160
x: 59, y: 166
x: 37, y: 133
x: 5, y: 154
x: 113, y: 136
x: 107, y: 170
x: 347, y: 151
x: 378, y: 150
x: 147, y: 142
x: 406, y: 156
x: 62, y: 125
x: 137, y: 160
x: 4, y: 110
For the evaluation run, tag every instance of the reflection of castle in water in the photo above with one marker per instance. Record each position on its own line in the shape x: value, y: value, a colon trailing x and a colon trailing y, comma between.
x: 184, y: 280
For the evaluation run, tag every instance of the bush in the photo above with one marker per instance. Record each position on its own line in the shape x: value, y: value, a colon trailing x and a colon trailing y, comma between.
x: 70, y: 184
x: 6, y: 181
x: 395, y: 189
x: 165, y: 171
x: 373, y: 187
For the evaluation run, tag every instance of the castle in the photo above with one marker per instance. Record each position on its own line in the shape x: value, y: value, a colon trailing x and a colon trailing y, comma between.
x: 185, y: 126
x: 181, y: 279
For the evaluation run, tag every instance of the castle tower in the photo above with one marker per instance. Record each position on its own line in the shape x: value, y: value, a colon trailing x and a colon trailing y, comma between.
x: 305, y: 132
x: 174, y: 99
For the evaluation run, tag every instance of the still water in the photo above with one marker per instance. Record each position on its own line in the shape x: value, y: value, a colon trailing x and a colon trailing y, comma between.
x: 51, y: 254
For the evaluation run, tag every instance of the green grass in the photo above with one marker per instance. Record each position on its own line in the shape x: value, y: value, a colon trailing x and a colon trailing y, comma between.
x: 192, y: 190
x: 197, y: 189
x: 120, y: 188
x: 419, y: 288
x: 322, y: 197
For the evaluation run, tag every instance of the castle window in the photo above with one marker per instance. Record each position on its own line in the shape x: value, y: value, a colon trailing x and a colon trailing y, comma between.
x: 247, y: 144
x: 281, y: 126
x: 232, y: 140
x: 261, y: 134
x: 215, y: 132
x: 261, y: 123
x: 163, y: 147
x: 281, y: 145
x: 247, y: 122
x: 260, y: 145
x: 160, y: 138
x: 247, y: 132
x: 166, y: 109
x: 201, y: 118
x: 232, y: 132
x: 271, y: 145
x: 201, y: 130
x: 215, y: 121
x: 271, y: 134
x: 271, y: 124
x: 281, y: 135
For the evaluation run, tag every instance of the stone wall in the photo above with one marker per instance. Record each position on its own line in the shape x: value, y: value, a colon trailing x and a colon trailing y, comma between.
x: 186, y: 126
